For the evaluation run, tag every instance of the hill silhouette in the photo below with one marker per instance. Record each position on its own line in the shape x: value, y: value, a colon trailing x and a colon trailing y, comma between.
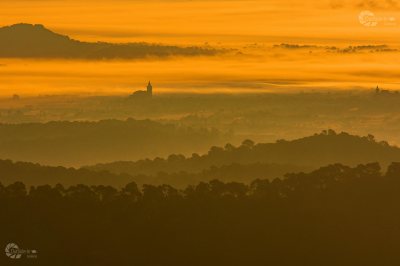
x: 36, y: 41
x: 82, y: 143
x: 314, y: 151
x: 243, y: 163
x: 35, y: 174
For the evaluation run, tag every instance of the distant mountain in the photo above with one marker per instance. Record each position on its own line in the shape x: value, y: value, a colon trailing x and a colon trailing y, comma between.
x: 35, y: 41
x: 309, y: 152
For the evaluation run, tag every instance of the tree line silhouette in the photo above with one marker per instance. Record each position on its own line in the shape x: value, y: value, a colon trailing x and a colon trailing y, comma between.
x: 35, y: 174
x: 242, y: 163
x: 315, y: 151
x: 81, y: 143
x: 336, y: 215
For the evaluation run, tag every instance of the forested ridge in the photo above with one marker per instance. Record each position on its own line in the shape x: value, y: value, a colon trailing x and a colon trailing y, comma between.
x: 315, y: 151
x: 242, y: 163
x: 336, y: 215
x: 79, y: 143
x: 36, y: 174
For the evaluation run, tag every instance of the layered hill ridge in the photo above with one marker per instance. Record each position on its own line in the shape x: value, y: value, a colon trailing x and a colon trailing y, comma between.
x: 309, y: 152
x: 243, y: 163
x: 83, y: 143
x: 35, y: 41
x: 35, y: 174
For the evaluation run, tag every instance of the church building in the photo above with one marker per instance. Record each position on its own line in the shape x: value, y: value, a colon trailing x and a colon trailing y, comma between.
x: 144, y: 94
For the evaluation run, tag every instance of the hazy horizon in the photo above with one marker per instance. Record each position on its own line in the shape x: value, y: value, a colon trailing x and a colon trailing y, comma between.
x: 249, y: 29
x: 256, y: 73
x: 200, y: 132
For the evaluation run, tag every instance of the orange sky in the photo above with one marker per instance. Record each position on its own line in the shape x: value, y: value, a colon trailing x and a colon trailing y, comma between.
x: 235, y: 23
x: 206, y: 20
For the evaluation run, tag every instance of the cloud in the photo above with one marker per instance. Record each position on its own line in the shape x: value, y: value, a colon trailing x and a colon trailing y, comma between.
x: 336, y: 4
x: 378, y: 4
x: 365, y: 4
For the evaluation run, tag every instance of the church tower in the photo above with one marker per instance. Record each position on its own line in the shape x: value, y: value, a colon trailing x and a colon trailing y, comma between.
x: 149, y: 89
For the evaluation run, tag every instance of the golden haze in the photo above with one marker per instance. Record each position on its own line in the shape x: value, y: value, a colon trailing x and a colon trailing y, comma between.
x: 223, y: 24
